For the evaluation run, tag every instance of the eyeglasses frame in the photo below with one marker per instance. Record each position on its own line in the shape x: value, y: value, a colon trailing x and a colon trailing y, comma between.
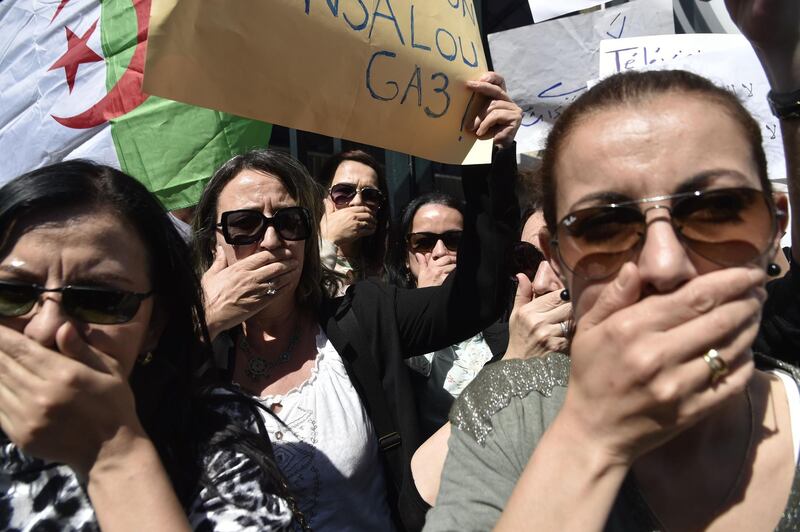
x: 358, y: 190
x: 269, y: 221
x: 775, y: 213
x: 141, y: 296
x: 439, y: 237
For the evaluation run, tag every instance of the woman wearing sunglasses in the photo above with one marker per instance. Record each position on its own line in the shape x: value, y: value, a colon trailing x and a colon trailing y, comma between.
x: 356, y: 220
x: 104, y: 422
x: 661, y: 221
x: 541, y: 319
x: 422, y: 254
x: 538, y: 324
x: 331, y: 368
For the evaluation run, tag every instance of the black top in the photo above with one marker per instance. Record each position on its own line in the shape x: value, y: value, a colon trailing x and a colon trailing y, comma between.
x: 779, y: 335
x: 374, y: 326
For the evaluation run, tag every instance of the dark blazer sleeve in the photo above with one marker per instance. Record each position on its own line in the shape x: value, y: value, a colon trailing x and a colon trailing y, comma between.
x: 476, y: 294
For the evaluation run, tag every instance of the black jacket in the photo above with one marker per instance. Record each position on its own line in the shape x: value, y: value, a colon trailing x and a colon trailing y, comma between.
x: 374, y: 326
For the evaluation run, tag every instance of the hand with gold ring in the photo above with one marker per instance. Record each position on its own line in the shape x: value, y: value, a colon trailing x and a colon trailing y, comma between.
x: 640, y: 365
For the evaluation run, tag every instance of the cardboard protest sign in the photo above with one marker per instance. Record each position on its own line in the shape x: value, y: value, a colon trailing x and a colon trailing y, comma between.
x: 390, y: 73
x: 547, y: 65
x: 727, y: 60
x: 546, y: 9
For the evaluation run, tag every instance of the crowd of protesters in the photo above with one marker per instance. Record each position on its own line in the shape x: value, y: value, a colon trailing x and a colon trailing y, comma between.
x: 307, y: 362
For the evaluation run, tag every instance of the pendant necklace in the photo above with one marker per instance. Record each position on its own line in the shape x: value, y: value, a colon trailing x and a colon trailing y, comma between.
x: 258, y: 367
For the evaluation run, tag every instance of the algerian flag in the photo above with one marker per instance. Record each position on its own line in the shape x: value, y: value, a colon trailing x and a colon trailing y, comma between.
x: 70, y: 86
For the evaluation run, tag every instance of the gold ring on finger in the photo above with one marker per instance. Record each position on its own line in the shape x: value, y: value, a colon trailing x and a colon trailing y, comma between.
x: 719, y: 368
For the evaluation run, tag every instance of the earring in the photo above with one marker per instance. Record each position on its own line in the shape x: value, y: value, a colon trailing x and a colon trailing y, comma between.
x: 773, y: 270
x: 145, y: 359
x: 564, y: 295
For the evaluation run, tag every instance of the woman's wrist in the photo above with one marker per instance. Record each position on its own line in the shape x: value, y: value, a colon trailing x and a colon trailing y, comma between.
x: 215, y: 324
x: 566, y: 466
x: 130, y: 489
x: 128, y: 447
x: 214, y: 330
x: 782, y: 68
x: 587, y: 446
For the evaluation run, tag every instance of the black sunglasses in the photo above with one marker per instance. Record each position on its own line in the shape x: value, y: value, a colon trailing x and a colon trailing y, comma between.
x: 525, y: 258
x: 343, y: 193
x: 247, y: 226
x: 88, y: 304
x: 425, y: 242
x: 729, y: 227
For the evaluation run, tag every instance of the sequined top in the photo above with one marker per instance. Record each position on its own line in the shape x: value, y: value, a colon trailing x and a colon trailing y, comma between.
x: 497, y: 423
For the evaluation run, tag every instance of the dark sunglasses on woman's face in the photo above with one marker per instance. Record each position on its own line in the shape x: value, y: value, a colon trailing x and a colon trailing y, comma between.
x: 88, y: 304
x: 425, y: 242
x: 343, y: 193
x: 728, y: 226
x: 247, y: 226
x: 525, y: 258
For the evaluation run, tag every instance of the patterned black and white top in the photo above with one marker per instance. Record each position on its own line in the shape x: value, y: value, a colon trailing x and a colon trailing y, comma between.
x: 38, y: 496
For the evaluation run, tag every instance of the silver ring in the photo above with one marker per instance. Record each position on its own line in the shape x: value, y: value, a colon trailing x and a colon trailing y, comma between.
x: 271, y: 290
x: 564, y: 328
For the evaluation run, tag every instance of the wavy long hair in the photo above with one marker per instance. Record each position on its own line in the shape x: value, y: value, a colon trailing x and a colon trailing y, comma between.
x: 172, y: 396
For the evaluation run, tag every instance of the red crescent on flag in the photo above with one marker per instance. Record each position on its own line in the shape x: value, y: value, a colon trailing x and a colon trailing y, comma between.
x: 127, y: 94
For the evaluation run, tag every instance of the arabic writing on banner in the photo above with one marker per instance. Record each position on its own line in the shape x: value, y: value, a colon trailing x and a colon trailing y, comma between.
x: 727, y: 60
x: 390, y: 73
x: 546, y: 9
x: 547, y: 65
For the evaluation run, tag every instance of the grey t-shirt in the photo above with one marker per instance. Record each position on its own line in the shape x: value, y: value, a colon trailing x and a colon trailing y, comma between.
x: 497, y: 423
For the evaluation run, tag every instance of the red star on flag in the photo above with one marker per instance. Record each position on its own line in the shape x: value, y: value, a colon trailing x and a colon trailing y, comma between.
x: 78, y: 52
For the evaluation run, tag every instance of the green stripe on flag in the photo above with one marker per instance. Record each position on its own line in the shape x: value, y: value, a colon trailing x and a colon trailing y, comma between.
x: 172, y: 148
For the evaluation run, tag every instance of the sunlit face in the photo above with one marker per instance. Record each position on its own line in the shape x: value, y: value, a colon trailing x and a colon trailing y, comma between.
x: 545, y: 279
x: 265, y: 193
x: 358, y: 174
x: 81, y: 248
x: 434, y: 218
x: 645, y: 150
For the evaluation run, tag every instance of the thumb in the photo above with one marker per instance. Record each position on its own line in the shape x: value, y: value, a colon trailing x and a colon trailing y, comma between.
x: 72, y: 344
x: 422, y: 260
x: 220, y: 261
x: 623, y: 292
x: 524, y: 293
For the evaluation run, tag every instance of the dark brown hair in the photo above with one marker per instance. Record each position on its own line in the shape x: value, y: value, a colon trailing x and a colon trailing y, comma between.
x: 301, y: 187
x: 373, y: 247
x: 630, y: 88
x: 397, y: 272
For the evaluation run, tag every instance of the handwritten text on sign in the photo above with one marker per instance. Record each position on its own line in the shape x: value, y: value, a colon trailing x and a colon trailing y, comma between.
x: 727, y: 60
x: 375, y: 71
x: 547, y: 65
